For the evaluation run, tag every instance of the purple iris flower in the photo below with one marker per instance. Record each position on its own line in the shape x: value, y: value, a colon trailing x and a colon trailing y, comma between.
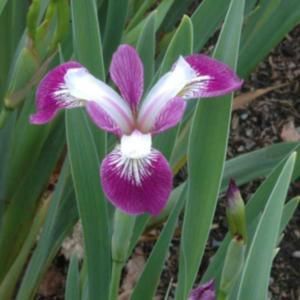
x: 135, y: 177
x: 204, y: 291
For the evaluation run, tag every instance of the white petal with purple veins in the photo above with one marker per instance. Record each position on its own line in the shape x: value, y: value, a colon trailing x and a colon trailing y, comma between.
x: 171, y: 85
x: 80, y: 84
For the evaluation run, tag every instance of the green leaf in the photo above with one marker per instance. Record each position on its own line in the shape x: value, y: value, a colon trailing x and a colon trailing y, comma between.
x: 177, y: 10
x: 255, y: 277
x: 139, y: 14
x: 146, y: 48
x: 115, y: 20
x: 206, y: 19
x: 26, y: 144
x: 259, y: 36
x: 250, y: 4
x: 60, y: 219
x: 132, y: 36
x: 254, y: 207
x: 90, y: 201
x: 233, y: 264
x: 288, y: 212
x: 6, y: 138
x: 181, y: 44
x: 86, y: 36
x: 84, y: 141
x: 2, y: 5
x: 249, y: 166
x: 72, y: 286
x: 147, y: 284
x: 8, y: 285
x: 206, y: 153
x: 88, y: 50
x: 23, y: 202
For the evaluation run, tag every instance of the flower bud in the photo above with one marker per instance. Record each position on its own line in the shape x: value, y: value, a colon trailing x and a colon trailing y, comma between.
x: 235, y: 211
x: 204, y: 291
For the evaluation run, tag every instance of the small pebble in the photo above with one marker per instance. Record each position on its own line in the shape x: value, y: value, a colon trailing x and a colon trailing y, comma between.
x: 296, y: 254
x: 244, y: 116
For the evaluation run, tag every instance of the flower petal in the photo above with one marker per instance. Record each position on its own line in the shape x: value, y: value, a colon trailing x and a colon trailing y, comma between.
x: 169, y: 116
x: 71, y: 85
x: 137, y: 186
x: 126, y: 70
x: 82, y: 85
x: 220, y: 78
x: 47, y: 103
x: 102, y: 119
x: 164, y: 91
x: 204, y: 291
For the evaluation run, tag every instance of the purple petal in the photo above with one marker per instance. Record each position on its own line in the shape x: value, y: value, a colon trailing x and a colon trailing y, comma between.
x: 47, y: 104
x: 221, y: 79
x: 126, y: 71
x: 137, y: 186
x: 102, y: 119
x: 204, y: 291
x: 170, y: 115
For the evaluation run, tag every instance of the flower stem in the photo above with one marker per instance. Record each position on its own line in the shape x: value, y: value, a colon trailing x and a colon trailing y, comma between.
x: 115, y: 280
x: 123, y: 227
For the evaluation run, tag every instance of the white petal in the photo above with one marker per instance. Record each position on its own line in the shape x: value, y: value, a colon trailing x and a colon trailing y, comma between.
x: 136, y: 145
x: 168, y: 87
x: 82, y: 85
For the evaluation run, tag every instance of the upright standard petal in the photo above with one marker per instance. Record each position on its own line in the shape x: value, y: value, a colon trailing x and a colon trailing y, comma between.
x: 218, y: 78
x: 47, y: 101
x: 126, y: 70
x: 136, y: 178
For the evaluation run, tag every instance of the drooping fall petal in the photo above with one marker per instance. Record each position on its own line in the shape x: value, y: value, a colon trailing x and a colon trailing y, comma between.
x: 137, y: 186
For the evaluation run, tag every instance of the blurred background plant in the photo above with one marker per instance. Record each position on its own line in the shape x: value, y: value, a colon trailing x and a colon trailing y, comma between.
x: 35, y: 218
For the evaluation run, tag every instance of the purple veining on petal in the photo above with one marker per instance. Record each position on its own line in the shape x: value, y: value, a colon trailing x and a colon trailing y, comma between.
x: 137, y: 186
x: 47, y: 104
x: 126, y: 70
x: 102, y: 119
x: 222, y: 79
x: 204, y: 291
x: 169, y: 116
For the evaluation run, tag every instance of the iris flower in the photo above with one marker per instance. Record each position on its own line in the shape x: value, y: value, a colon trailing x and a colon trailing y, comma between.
x: 135, y: 177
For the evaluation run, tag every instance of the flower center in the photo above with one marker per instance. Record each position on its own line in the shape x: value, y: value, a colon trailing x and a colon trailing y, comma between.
x: 136, y: 145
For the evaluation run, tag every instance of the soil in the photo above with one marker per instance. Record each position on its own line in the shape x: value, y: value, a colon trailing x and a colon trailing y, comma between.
x: 258, y: 125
